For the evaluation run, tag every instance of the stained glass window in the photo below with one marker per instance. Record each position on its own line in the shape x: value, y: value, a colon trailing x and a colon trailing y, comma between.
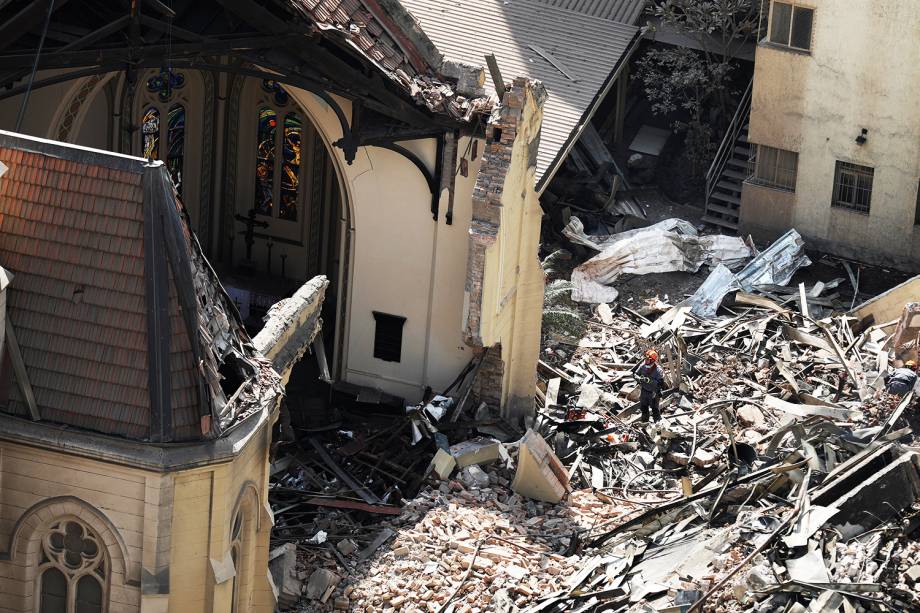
x: 150, y: 132
x: 290, y: 170
x: 277, y: 91
x: 265, y: 161
x: 175, y: 144
x: 164, y: 83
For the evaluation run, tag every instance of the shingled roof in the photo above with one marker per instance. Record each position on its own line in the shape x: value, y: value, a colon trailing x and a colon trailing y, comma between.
x: 575, y: 55
x: 123, y: 327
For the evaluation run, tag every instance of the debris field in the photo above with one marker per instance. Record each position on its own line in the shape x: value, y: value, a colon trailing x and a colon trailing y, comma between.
x: 781, y: 477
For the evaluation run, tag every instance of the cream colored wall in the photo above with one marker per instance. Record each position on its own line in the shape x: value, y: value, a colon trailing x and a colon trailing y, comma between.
x: 203, y: 510
x: 97, y: 123
x: 403, y: 262
x: 29, y: 476
x: 513, y: 283
x: 863, y: 72
x: 199, y: 504
x: 43, y: 106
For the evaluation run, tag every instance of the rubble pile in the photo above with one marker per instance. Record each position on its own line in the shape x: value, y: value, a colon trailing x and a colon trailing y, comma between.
x: 781, y: 477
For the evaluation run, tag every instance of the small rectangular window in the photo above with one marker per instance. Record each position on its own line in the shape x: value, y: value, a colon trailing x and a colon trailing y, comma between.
x: 791, y: 25
x: 774, y: 167
x: 853, y: 187
x: 388, y: 337
x: 917, y: 209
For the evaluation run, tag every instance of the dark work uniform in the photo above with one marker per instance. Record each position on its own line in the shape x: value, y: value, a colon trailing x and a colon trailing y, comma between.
x: 651, y: 378
x: 901, y: 381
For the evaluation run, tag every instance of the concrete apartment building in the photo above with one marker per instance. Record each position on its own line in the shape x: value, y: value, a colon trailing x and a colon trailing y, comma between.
x: 835, y: 128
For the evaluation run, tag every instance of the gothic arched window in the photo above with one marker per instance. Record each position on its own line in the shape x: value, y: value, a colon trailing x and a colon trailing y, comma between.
x: 159, y: 139
x: 236, y: 551
x: 73, y: 575
x: 277, y: 184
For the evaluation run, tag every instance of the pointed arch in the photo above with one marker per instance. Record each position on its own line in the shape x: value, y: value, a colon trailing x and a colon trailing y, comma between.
x: 26, y: 534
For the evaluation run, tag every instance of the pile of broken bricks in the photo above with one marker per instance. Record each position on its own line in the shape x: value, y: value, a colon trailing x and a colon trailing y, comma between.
x: 781, y: 478
x: 471, y: 543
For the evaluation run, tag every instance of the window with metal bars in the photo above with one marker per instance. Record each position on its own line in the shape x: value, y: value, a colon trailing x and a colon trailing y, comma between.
x: 852, y: 187
x: 388, y: 335
x: 774, y: 167
x: 791, y: 25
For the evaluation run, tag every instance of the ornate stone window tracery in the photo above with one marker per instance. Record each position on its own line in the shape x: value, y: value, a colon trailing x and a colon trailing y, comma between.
x: 73, y: 576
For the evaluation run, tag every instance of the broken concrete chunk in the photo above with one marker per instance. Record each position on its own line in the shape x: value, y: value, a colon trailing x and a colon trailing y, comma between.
x: 442, y: 464
x: 346, y: 547
x: 475, y: 451
x: 749, y: 415
x: 474, y: 477
x: 282, y: 567
x: 384, y: 535
x: 321, y: 584
x: 540, y: 475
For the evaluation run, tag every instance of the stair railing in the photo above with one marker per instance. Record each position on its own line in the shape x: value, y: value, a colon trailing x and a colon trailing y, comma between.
x: 728, y: 142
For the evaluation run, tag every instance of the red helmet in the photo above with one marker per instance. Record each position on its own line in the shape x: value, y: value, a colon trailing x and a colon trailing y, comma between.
x: 911, y: 364
x: 652, y: 355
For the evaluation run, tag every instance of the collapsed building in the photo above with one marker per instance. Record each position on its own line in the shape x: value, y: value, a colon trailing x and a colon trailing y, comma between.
x: 336, y: 160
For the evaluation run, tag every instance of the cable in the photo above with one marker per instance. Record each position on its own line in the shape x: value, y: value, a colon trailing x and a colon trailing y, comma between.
x: 38, y: 54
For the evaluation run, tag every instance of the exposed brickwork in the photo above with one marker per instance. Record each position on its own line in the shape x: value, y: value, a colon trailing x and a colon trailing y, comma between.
x: 501, y: 132
x: 488, y: 385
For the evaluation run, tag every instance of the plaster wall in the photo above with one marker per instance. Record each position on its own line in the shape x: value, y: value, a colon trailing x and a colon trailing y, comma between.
x: 43, y: 106
x: 403, y: 262
x: 863, y: 71
x: 171, y: 524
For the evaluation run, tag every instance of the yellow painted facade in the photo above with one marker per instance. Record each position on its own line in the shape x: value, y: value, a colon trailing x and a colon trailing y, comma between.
x: 513, y: 282
x: 862, y: 71
x: 167, y: 534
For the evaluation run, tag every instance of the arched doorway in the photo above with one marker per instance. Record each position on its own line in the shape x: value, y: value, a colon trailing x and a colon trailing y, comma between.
x: 285, y: 213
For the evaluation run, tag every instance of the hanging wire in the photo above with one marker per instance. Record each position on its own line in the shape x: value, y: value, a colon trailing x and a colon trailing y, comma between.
x: 38, y: 54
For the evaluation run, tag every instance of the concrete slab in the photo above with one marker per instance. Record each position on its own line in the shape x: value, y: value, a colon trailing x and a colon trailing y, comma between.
x: 540, y: 475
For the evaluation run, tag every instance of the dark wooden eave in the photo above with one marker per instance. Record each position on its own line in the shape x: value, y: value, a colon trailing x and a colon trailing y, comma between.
x: 265, y: 39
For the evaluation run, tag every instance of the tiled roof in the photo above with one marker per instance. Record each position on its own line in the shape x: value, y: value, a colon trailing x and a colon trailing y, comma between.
x: 624, y: 11
x: 72, y: 233
x: 527, y: 38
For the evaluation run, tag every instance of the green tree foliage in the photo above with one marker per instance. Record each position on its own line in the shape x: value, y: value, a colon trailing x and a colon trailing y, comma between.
x: 678, y: 78
x: 561, y: 317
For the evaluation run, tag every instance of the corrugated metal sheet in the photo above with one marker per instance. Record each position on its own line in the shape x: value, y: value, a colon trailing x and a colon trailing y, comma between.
x: 71, y: 233
x: 624, y: 11
x: 587, y: 48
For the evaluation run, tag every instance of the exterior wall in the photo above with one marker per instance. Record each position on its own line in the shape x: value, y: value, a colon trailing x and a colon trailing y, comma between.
x: 505, y: 282
x: 863, y: 72
x: 167, y: 534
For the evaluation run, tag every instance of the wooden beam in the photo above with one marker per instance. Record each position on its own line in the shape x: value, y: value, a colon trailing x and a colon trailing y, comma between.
x: 19, y: 367
x: 24, y: 21
x: 89, y: 57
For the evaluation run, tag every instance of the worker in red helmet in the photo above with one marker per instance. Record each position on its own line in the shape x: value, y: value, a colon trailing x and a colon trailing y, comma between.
x: 902, y: 380
x: 651, y: 378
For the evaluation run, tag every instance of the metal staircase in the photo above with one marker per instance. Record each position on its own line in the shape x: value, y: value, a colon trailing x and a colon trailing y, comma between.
x: 729, y: 169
